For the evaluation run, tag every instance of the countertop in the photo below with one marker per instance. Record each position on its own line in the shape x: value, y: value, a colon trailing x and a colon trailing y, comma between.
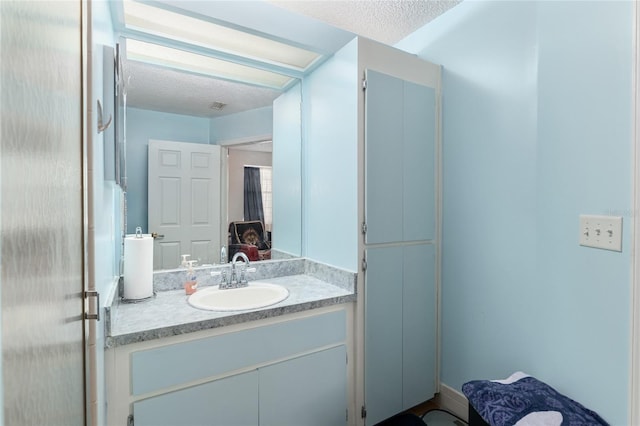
x: 169, y: 313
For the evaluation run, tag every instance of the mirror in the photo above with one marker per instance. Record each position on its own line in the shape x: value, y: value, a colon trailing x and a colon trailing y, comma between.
x: 247, y: 126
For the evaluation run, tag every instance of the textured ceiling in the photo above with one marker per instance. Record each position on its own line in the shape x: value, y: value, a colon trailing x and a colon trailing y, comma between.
x: 161, y: 89
x: 386, y: 21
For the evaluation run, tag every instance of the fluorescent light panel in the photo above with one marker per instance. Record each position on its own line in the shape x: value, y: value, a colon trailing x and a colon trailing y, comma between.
x: 200, y: 64
x: 173, y: 25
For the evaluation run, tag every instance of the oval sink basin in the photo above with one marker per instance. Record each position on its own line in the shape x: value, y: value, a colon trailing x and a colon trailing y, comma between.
x: 256, y: 295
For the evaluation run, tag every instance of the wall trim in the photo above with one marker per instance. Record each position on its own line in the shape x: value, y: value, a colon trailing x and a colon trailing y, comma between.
x: 454, y: 401
x: 634, y: 391
x: 245, y: 140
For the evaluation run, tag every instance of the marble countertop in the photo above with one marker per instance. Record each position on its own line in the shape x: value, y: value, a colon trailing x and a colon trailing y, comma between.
x: 169, y: 313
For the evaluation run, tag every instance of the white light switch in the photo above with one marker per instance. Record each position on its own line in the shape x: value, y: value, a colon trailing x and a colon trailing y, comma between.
x: 603, y: 232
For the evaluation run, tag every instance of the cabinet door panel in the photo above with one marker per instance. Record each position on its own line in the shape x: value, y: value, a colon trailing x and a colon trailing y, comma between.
x: 399, y: 160
x: 383, y: 333
x: 418, y: 162
x: 197, y: 359
x: 228, y: 402
x: 383, y: 158
x: 306, y: 391
x: 419, y: 325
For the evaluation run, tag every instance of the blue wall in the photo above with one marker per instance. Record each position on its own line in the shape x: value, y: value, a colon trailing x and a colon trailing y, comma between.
x: 330, y: 196
x: 248, y: 124
x: 537, y: 129
x: 287, y: 172
x: 143, y: 125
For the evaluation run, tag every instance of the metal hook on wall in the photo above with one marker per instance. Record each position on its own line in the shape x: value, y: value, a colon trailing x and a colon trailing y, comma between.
x: 101, y: 125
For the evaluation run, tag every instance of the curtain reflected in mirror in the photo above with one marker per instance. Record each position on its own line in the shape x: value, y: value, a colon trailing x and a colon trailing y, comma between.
x: 253, y: 206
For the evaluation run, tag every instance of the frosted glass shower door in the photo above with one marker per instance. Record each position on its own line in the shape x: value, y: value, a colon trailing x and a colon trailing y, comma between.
x: 43, y: 368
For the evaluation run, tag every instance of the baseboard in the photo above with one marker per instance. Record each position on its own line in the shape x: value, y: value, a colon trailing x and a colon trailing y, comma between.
x: 454, y: 401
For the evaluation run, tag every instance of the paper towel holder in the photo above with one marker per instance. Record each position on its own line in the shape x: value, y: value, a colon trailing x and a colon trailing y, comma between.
x: 144, y: 299
x: 124, y: 300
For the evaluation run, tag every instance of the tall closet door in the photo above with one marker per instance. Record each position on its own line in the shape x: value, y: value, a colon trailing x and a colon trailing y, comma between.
x: 399, y: 160
x: 400, y: 247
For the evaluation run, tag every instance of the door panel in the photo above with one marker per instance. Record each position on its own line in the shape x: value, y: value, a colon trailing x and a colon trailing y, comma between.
x: 232, y: 401
x: 310, y: 390
x: 184, y: 202
x: 383, y: 333
x: 167, y: 251
x: 383, y: 158
x: 169, y: 206
x: 418, y: 162
x: 399, y: 160
x: 419, y: 325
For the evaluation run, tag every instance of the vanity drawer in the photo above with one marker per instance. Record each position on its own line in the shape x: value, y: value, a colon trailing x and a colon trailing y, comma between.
x: 172, y: 365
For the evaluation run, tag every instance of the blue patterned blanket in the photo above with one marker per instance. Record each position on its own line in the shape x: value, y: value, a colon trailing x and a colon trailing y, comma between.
x: 525, y: 401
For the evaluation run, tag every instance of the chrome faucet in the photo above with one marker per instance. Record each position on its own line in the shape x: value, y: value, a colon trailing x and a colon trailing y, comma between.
x: 238, y: 279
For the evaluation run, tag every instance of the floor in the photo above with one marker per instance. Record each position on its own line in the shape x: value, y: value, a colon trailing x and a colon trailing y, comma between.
x: 432, y: 404
x: 439, y: 418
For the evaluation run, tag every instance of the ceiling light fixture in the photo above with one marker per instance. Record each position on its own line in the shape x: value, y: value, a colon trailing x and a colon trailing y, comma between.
x: 137, y: 50
x: 161, y: 22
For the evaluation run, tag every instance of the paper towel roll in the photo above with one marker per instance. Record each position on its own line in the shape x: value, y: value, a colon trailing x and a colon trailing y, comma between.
x: 138, y: 267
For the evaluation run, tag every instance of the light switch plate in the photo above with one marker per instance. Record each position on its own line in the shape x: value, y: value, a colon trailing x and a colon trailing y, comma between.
x: 603, y: 232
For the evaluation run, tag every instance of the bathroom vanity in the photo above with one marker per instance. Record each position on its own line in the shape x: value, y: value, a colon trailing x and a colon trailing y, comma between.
x: 170, y: 363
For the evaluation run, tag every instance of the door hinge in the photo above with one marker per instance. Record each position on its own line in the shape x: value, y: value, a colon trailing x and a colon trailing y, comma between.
x: 363, y: 412
x: 364, y: 264
x: 130, y: 420
x: 364, y: 228
x: 95, y: 316
x: 346, y: 417
x: 364, y: 84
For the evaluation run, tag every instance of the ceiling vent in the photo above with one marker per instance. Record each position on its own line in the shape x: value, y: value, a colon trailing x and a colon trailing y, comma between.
x: 217, y: 106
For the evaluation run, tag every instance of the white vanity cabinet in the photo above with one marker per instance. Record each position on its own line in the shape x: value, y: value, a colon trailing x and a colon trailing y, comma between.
x: 286, y: 371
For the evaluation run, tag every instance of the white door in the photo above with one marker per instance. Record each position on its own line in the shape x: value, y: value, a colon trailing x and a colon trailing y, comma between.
x: 400, y: 281
x: 184, y: 202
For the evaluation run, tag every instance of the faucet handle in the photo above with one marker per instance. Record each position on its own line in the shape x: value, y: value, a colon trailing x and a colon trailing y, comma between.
x: 243, y: 274
x: 223, y: 275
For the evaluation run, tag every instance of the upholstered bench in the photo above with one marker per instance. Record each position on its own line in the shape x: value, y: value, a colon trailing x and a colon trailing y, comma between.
x: 523, y: 400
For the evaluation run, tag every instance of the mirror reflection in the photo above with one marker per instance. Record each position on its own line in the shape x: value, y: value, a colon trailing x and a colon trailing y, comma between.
x: 211, y: 164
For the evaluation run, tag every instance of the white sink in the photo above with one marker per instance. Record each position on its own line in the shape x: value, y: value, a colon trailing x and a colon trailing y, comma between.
x: 256, y: 295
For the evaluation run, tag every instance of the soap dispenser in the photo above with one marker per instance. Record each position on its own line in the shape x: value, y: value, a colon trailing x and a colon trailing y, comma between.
x: 190, y: 285
x: 223, y: 255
